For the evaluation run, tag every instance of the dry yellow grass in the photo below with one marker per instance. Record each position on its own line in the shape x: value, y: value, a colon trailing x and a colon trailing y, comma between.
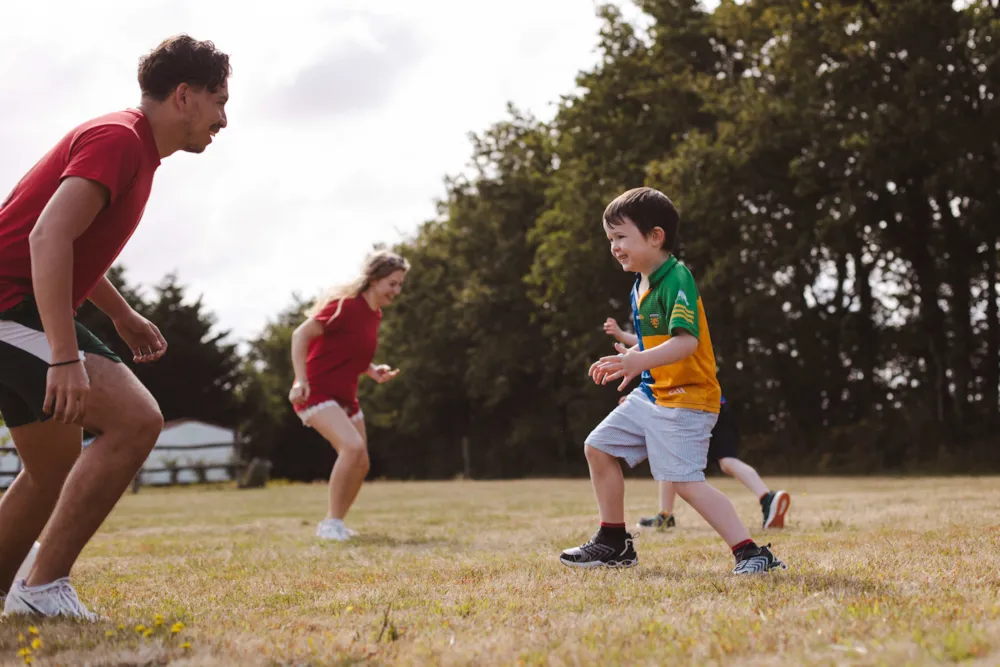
x: 882, y: 571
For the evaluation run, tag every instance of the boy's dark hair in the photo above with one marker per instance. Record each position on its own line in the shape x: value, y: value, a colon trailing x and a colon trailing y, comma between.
x: 182, y: 59
x: 647, y: 208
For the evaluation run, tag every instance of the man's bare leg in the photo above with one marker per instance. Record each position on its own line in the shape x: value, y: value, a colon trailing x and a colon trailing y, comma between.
x: 47, y: 451
x: 128, y: 420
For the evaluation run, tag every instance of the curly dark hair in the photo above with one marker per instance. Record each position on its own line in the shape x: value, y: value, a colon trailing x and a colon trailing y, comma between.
x: 182, y: 59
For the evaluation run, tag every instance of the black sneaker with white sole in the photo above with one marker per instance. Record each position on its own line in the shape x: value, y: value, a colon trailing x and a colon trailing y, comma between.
x: 600, y: 552
x: 758, y: 561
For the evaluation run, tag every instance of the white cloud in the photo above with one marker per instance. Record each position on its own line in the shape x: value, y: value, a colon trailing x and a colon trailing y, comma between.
x: 343, y: 123
x: 367, y: 56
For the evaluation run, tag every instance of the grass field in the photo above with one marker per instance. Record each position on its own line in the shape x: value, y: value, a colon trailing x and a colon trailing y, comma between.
x: 882, y: 571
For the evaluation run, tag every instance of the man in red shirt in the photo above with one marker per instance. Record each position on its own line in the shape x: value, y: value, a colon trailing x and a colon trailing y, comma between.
x: 61, y: 229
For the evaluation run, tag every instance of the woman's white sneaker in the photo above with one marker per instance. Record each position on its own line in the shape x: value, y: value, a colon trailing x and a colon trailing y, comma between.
x: 333, y: 529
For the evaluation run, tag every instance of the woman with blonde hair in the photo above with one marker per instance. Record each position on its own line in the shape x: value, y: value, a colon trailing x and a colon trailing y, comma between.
x: 330, y: 351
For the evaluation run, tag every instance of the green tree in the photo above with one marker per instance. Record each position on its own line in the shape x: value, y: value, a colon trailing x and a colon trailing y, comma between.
x: 835, y: 164
x: 465, y: 332
x: 200, y: 374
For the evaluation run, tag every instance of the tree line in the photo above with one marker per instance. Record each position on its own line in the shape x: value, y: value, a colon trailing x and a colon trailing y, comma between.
x: 837, y: 169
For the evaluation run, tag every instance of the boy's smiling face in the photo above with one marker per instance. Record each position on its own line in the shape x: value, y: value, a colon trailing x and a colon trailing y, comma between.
x: 636, y: 252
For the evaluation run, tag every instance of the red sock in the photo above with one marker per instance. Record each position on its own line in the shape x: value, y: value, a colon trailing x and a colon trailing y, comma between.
x: 742, y: 545
x: 604, y: 524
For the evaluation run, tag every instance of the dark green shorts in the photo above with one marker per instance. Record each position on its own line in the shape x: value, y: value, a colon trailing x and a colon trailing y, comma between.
x: 24, y: 362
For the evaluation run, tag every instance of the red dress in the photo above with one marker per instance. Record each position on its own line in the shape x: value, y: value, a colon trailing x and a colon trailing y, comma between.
x: 338, y: 357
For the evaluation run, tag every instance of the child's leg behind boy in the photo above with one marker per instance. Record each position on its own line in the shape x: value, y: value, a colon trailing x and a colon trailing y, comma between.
x: 665, y: 518
x: 724, y: 450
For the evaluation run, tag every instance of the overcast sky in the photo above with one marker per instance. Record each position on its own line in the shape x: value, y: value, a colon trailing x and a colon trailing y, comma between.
x: 345, y: 116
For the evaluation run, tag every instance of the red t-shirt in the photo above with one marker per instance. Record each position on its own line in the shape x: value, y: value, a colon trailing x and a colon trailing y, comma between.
x: 337, y: 358
x: 116, y: 150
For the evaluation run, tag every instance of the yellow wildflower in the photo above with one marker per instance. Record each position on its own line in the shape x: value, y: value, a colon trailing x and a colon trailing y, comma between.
x: 186, y: 645
x: 20, y: 637
x: 109, y: 633
x: 24, y: 652
x: 139, y: 628
x: 36, y: 643
x: 148, y: 632
x: 32, y: 629
x: 176, y: 627
x: 158, y: 620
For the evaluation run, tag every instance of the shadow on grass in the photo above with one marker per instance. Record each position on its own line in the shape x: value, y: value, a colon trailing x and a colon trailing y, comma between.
x: 808, y: 582
x: 392, y: 541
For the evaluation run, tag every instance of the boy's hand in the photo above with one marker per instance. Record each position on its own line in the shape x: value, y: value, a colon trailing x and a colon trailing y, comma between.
x: 611, y: 327
x: 627, y: 365
x: 597, y: 373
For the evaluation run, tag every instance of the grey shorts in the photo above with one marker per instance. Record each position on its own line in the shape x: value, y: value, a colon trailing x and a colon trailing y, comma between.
x: 675, y: 440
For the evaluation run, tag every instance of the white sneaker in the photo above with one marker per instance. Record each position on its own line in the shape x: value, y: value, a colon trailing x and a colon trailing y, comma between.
x: 332, y: 529
x: 55, y: 599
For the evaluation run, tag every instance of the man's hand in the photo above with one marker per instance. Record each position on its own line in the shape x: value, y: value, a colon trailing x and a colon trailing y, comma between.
x: 66, y: 389
x: 299, y: 393
x: 141, y: 336
x: 382, y: 373
x: 627, y: 365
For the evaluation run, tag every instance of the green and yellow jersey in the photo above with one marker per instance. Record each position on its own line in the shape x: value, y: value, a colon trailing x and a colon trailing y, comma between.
x: 670, y: 304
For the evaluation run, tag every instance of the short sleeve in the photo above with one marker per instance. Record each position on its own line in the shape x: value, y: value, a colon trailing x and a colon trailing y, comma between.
x: 682, y: 303
x: 329, y: 316
x: 108, y: 154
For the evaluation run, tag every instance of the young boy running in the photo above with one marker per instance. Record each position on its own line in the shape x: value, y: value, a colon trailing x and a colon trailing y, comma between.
x: 723, y: 449
x: 670, y: 417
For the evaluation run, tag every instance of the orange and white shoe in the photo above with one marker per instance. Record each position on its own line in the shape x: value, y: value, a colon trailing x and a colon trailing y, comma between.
x: 775, y: 505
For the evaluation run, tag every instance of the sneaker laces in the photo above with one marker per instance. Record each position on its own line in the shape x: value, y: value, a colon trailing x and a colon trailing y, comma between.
x: 629, y: 540
x: 68, y: 599
x: 588, y: 546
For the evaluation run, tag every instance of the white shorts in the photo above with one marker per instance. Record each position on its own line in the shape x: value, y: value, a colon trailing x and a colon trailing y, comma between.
x: 675, y: 440
x: 308, y: 413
